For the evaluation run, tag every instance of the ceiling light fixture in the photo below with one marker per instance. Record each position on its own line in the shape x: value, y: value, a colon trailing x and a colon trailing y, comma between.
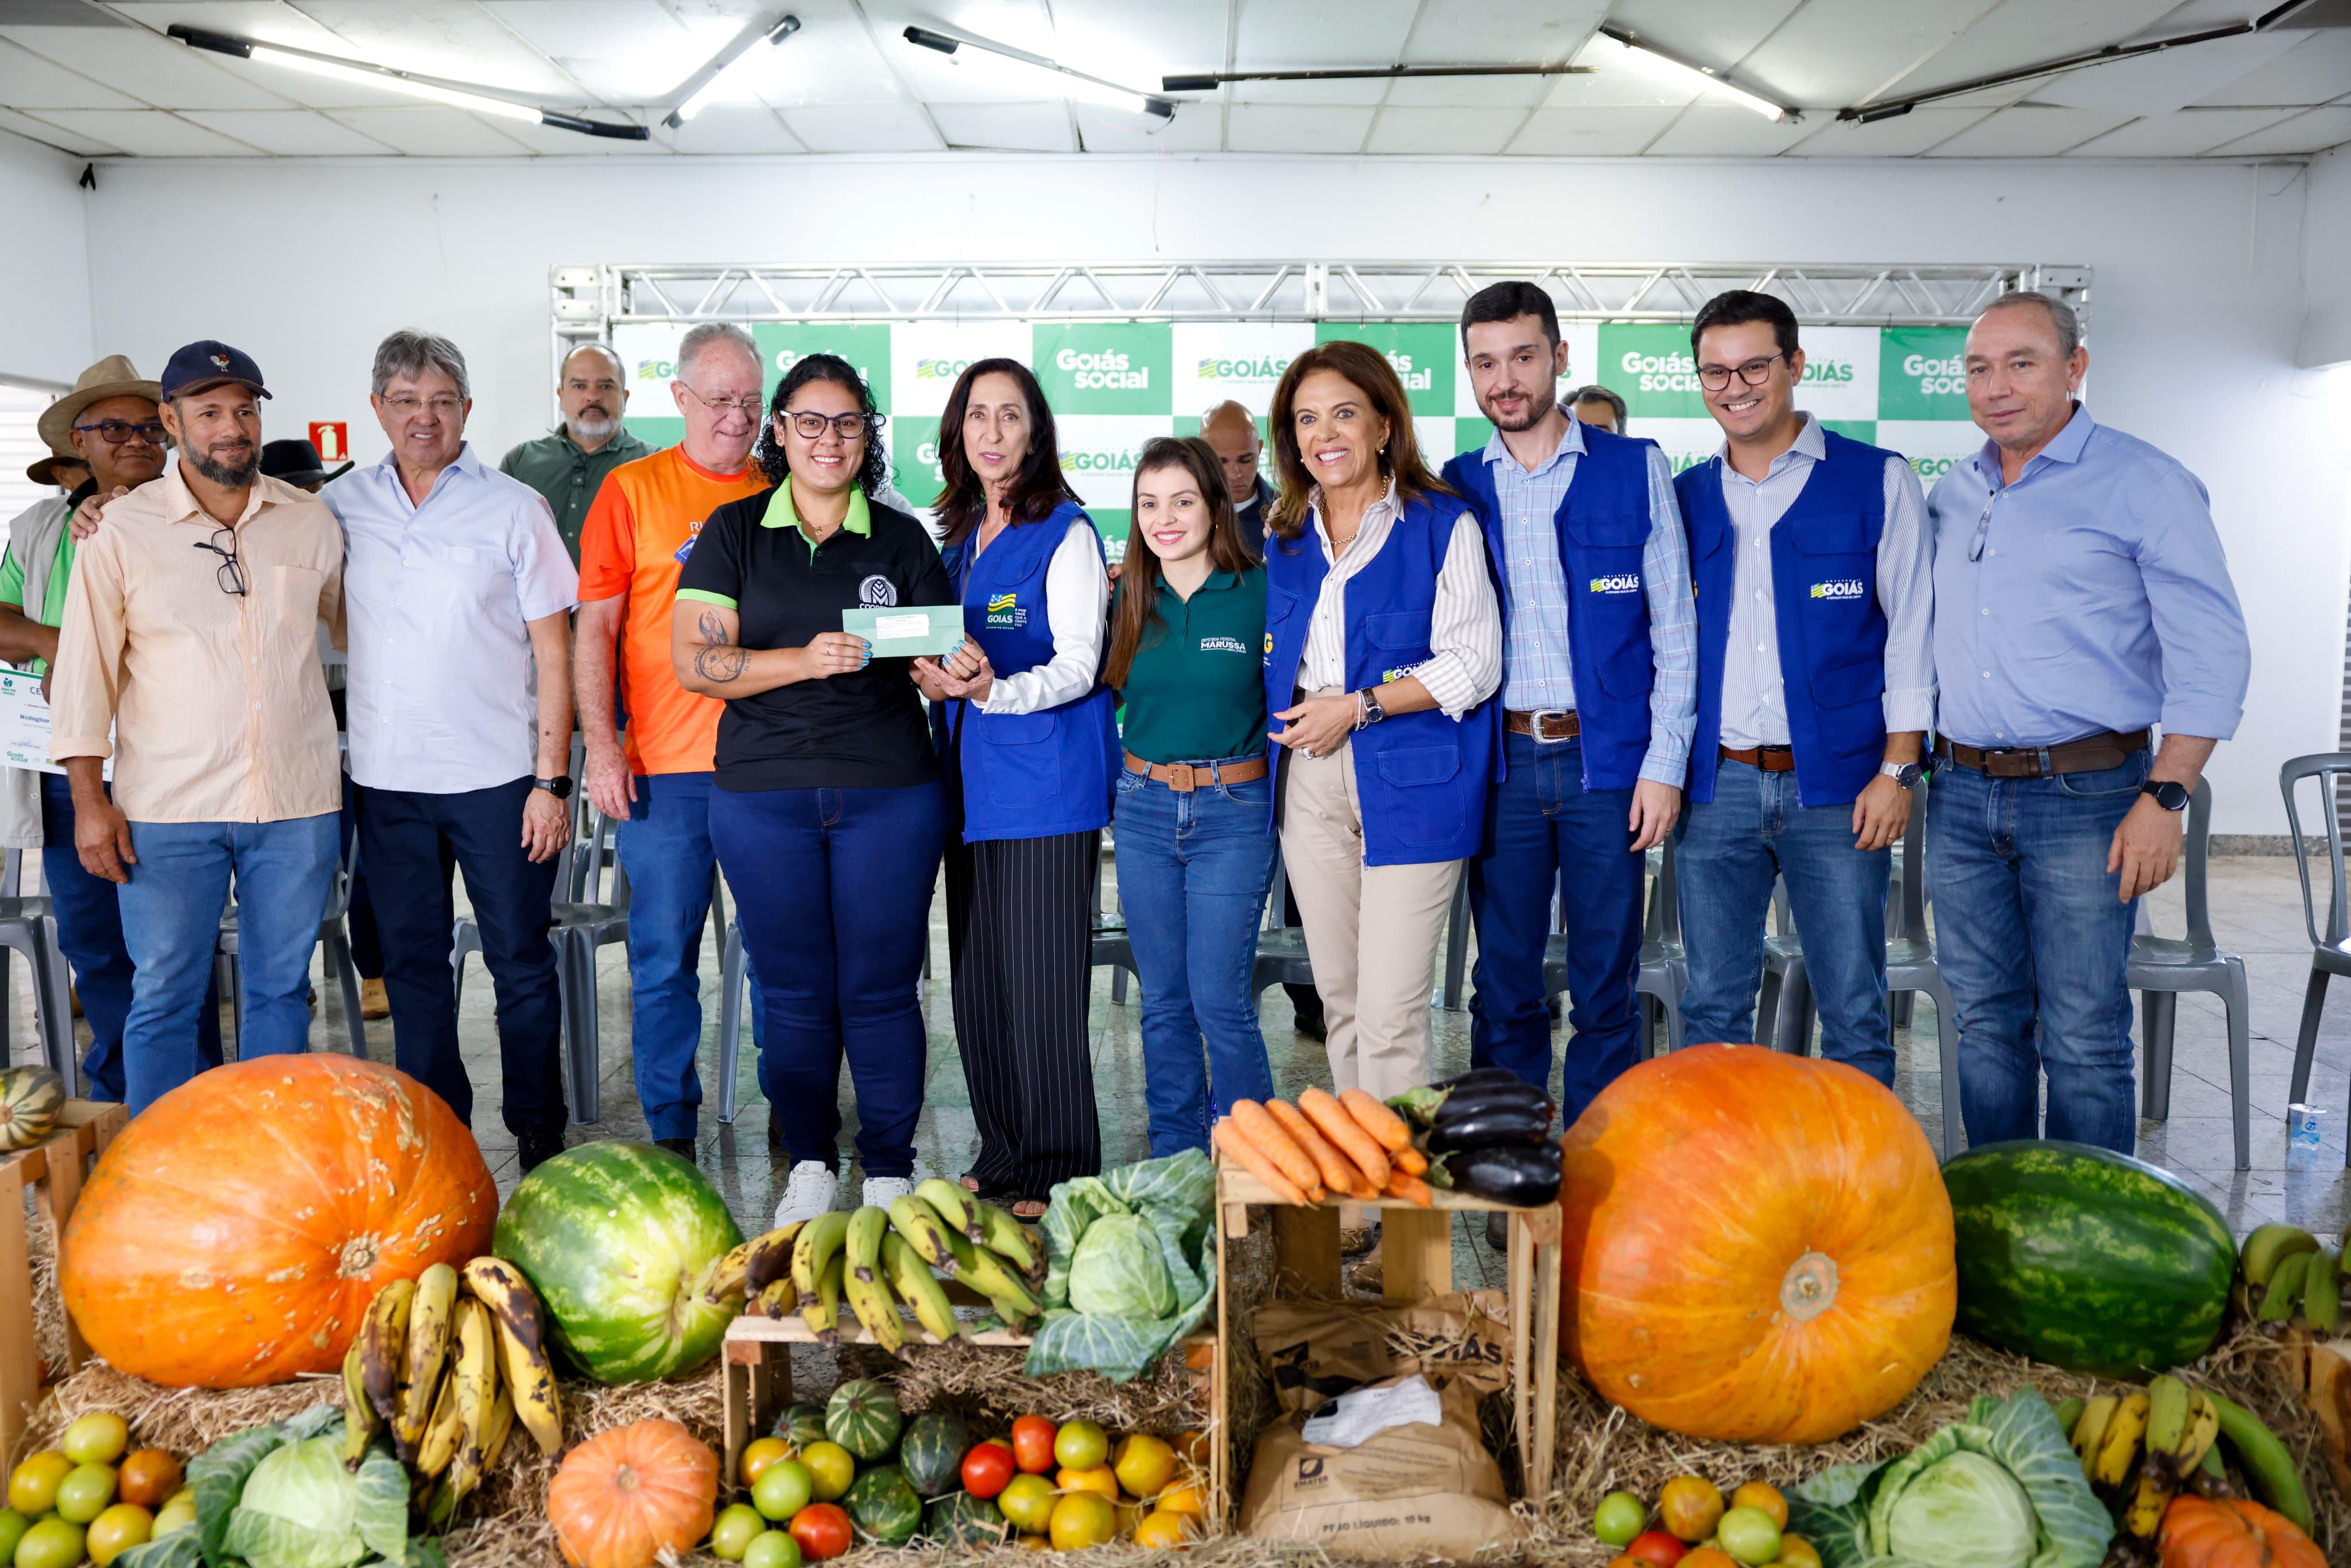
x: 1074, y: 83
x: 1208, y: 81
x: 370, y: 75
x: 702, y: 87
x: 1706, y: 74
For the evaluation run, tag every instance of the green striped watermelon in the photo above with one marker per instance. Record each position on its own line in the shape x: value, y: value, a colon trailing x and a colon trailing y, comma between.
x: 2085, y: 1259
x: 883, y: 1505
x: 801, y: 1424
x: 618, y: 1240
x: 862, y: 1416
x: 932, y: 1451
x: 962, y: 1520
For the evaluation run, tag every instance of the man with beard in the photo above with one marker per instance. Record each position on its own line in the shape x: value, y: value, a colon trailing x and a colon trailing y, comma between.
x: 568, y: 465
x: 187, y: 631
x: 1599, y: 668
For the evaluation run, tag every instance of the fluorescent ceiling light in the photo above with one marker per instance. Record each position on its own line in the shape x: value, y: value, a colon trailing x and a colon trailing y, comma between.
x: 702, y: 87
x: 1700, y: 75
x: 392, y: 80
x: 1073, y: 83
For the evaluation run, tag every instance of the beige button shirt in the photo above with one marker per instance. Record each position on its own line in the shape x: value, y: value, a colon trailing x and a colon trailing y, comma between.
x: 217, y: 701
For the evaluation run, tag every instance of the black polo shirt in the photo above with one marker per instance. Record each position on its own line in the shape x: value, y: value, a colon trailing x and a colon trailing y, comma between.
x: 862, y: 730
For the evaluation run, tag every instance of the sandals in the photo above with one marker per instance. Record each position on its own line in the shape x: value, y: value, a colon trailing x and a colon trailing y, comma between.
x: 1017, y: 1203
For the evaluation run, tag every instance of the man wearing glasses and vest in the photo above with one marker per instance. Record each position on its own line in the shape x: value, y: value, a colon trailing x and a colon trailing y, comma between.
x: 2081, y: 599
x: 224, y: 742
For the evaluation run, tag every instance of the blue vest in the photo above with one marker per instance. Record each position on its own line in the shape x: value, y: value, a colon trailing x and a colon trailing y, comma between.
x: 1420, y: 777
x: 1025, y: 775
x: 1832, y: 630
x: 1604, y: 531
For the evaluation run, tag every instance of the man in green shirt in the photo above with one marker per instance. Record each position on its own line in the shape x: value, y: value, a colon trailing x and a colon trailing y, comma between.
x: 568, y: 465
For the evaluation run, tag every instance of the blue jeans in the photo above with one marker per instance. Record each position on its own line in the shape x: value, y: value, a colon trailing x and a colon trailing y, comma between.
x: 834, y: 891
x: 2035, y: 940
x: 171, y: 907
x: 89, y: 932
x: 1543, y: 827
x: 1192, y: 874
x: 1727, y: 854
x: 665, y: 849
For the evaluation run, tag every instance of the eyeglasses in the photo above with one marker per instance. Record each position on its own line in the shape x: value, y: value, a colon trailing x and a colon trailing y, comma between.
x: 115, y: 431
x: 750, y: 407
x: 848, y: 426
x: 1754, y: 372
x: 231, y: 575
x: 444, y: 406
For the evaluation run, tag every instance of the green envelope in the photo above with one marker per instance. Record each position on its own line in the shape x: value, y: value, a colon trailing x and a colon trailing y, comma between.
x: 907, y: 630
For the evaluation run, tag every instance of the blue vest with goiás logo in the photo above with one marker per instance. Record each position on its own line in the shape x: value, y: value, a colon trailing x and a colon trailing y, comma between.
x: 1420, y: 777
x: 1025, y: 775
x: 1604, y: 533
x: 1832, y: 630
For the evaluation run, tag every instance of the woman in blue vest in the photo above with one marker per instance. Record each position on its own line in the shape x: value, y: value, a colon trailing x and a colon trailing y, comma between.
x: 1023, y: 722
x: 1382, y: 652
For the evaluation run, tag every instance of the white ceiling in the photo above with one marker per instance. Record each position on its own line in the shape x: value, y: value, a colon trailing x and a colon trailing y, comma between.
x: 97, y: 78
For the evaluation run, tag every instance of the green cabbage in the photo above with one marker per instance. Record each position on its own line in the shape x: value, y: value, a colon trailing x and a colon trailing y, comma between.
x: 1130, y: 1267
x: 1117, y: 1269
x: 1963, y: 1511
x: 280, y: 1496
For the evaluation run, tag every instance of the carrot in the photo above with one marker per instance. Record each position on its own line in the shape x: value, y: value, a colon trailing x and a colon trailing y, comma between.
x: 1384, y: 1125
x: 1410, y: 1187
x: 1338, y: 1173
x: 1331, y: 1119
x: 1255, y: 1123
x: 1411, y: 1161
x: 1228, y: 1138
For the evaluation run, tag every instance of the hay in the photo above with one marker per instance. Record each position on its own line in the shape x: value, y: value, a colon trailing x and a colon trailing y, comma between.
x: 48, y: 1305
x: 987, y: 1381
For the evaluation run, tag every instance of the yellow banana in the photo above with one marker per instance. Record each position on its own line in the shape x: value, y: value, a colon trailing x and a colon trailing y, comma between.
x: 778, y: 1298
x: 2124, y: 1436
x: 520, y: 1322
x: 2167, y: 1409
x: 442, y: 1433
x: 501, y: 1426
x: 384, y: 1338
x: 360, y: 1419
x: 1003, y: 1236
x: 813, y: 1247
x: 429, y: 1323
x: 985, y: 1273
x: 476, y: 1366
x: 952, y: 1205
x: 2091, y: 1430
x: 2203, y: 1428
x: 877, y: 1309
x: 920, y: 1225
x: 2149, y: 1498
x: 865, y: 1229
x: 920, y: 1289
x: 727, y: 1279
x: 820, y: 1307
x: 770, y: 1259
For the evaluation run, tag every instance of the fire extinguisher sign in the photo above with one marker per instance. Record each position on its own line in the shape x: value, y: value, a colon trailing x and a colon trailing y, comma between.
x: 332, y: 438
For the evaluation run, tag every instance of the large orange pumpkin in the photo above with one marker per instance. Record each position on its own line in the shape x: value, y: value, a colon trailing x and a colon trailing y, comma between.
x: 626, y: 1496
x: 2230, y: 1533
x: 1758, y: 1246
x: 235, y: 1232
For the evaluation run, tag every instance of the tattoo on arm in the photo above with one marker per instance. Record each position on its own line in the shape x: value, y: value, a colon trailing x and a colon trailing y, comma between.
x: 715, y: 661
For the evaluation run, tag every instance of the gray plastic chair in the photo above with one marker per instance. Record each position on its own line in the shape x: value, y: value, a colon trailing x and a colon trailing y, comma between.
x: 2330, y: 944
x: 1109, y: 943
x: 30, y: 926
x: 1664, y: 973
x: 2161, y: 967
x: 1457, y: 947
x: 1911, y: 966
x: 1784, y: 1005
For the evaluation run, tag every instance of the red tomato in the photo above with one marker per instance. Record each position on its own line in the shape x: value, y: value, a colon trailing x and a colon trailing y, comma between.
x: 822, y: 1531
x: 987, y: 1470
x: 1032, y: 1443
x: 1656, y: 1547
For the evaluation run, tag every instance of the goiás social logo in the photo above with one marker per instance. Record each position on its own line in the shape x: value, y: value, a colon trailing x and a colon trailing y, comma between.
x: 938, y: 370
x: 1261, y: 367
x: 1005, y: 609
x: 1826, y: 372
x: 1937, y: 378
x: 1930, y: 469
x: 1110, y: 370
x: 1671, y: 372
x: 1413, y: 380
x: 656, y: 371
x: 1617, y: 582
x: 1841, y: 588
x: 1118, y: 460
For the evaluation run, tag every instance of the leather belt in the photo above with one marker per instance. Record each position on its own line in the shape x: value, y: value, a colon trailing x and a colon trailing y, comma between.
x: 1185, y: 776
x: 1550, y: 724
x: 2089, y: 754
x: 1770, y: 759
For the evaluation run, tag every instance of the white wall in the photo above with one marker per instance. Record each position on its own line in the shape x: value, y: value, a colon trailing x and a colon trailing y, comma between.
x: 45, y: 318
x: 2326, y: 261
x: 2198, y: 308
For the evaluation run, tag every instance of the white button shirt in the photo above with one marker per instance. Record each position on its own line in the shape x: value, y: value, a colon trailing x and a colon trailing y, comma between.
x: 1464, y: 624
x: 443, y: 690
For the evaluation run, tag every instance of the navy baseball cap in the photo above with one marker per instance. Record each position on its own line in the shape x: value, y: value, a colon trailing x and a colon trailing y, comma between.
x: 208, y: 364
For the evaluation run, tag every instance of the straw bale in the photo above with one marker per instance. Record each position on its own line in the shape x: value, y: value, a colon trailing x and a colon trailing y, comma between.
x: 48, y: 1305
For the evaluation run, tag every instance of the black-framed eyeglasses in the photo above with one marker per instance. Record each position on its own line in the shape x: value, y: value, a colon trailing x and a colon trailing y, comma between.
x: 1754, y: 372
x: 848, y: 426
x: 115, y: 431
x: 231, y: 575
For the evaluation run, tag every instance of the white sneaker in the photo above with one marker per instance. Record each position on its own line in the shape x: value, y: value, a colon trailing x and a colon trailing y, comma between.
x: 809, y: 1191
x: 880, y: 1192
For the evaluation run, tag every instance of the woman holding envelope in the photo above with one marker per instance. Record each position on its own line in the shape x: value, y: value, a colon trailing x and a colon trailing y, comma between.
x: 1024, y: 724
x: 828, y: 816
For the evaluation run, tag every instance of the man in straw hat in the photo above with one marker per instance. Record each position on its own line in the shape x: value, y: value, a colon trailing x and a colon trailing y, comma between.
x: 108, y: 430
x: 65, y: 470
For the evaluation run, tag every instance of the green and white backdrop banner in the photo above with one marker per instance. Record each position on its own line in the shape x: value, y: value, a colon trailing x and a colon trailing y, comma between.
x: 1113, y: 385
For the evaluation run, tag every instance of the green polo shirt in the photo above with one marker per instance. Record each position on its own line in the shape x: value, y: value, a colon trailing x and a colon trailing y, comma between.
x: 52, y: 611
x: 1195, y: 691
x: 556, y: 467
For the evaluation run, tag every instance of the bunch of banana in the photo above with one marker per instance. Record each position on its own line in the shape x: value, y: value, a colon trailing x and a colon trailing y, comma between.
x: 759, y: 1272
x: 881, y: 1259
x: 447, y: 1364
x: 2142, y: 1449
x: 2288, y: 1275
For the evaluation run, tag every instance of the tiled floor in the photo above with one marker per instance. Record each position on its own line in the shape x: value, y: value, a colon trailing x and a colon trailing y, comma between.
x: 2256, y: 912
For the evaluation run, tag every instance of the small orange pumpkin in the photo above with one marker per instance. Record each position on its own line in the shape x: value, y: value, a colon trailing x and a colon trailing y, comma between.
x: 2229, y: 1532
x: 1757, y: 1248
x: 624, y: 1497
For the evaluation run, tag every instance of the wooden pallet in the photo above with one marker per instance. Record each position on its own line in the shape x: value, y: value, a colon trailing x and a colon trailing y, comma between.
x: 53, y: 1169
x: 1415, y: 1263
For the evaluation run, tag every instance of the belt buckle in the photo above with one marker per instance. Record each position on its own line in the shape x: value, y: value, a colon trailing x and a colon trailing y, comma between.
x: 1535, y: 725
x: 1179, y: 778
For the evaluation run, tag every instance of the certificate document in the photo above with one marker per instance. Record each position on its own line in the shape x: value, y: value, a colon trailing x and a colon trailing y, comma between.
x: 25, y: 723
x: 905, y: 630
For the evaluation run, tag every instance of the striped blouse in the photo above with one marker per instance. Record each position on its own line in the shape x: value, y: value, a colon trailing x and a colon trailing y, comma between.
x: 1465, y: 631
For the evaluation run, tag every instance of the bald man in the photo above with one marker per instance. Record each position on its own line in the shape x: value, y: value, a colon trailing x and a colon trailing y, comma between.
x: 1232, y: 432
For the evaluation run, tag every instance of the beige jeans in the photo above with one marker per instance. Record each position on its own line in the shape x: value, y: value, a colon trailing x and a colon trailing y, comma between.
x: 1372, y: 932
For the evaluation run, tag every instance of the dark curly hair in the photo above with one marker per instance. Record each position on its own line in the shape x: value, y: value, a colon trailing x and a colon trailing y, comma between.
x: 874, y: 473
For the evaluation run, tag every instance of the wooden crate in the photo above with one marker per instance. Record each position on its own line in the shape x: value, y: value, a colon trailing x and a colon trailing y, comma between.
x: 54, y: 1170
x: 1415, y: 1263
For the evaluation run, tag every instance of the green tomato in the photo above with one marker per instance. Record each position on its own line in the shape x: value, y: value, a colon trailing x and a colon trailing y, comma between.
x: 1618, y: 1519
x: 175, y: 1516
x: 773, y: 1548
x: 731, y: 1535
x: 83, y: 1495
x: 782, y: 1490
x: 13, y: 1526
x: 97, y: 1439
x: 1748, y: 1534
x: 51, y: 1543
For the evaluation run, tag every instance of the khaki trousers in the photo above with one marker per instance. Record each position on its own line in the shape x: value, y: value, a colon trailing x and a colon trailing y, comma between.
x: 1372, y: 932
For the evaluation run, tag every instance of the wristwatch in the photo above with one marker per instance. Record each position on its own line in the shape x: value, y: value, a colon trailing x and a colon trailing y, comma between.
x: 2169, y: 793
x: 1368, y: 702
x: 559, y: 787
x: 1903, y: 773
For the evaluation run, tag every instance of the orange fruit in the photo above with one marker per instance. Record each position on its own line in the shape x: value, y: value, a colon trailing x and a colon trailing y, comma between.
x: 1101, y: 1478
x: 1163, y: 1530
x: 1690, y: 1507
x: 1186, y: 1497
x: 758, y: 1454
x: 1757, y: 1494
x: 1080, y: 1519
x: 1795, y: 1552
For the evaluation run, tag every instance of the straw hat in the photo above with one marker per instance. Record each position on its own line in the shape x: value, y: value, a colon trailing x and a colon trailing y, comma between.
x: 45, y: 470
x: 113, y: 376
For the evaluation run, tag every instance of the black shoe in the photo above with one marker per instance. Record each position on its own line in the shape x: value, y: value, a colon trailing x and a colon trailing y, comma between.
x: 681, y: 1147
x: 775, y: 1134
x: 1311, y: 1025
x: 1498, y: 1232
x: 537, y: 1145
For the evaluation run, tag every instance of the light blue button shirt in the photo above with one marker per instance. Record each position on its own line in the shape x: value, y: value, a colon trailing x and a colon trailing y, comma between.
x: 443, y: 690
x: 2091, y: 594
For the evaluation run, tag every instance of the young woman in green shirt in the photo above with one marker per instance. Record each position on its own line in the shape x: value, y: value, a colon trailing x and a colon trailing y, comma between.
x: 1187, y: 631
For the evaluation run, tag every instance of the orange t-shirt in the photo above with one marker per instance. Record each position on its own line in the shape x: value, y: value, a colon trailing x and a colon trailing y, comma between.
x: 639, y: 530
